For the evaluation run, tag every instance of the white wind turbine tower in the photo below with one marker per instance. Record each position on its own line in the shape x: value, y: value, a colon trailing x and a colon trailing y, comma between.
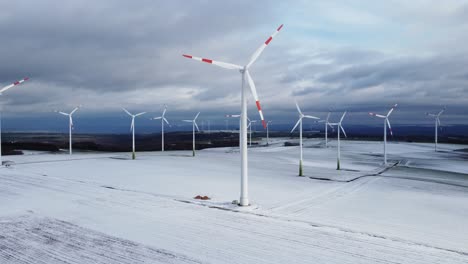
x: 339, y: 127
x: 299, y: 122
x: 268, y: 132
x: 437, y: 124
x: 1, y: 92
x: 386, y: 121
x: 70, y: 126
x: 163, y: 120
x: 244, y: 71
x: 132, y: 128
x: 194, y: 125
x: 327, y: 124
x: 249, y: 126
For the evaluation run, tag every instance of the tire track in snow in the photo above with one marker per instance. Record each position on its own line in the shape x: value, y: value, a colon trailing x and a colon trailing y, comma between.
x: 298, y: 206
x: 333, y: 191
x: 304, y: 205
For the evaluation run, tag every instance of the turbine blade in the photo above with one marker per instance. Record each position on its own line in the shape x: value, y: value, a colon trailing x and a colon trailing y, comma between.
x: 312, y: 117
x: 438, y: 121
x: 71, y: 121
x: 221, y: 64
x: 165, y: 120
x: 139, y: 114
x: 156, y: 118
x: 429, y: 114
x: 254, y: 93
x: 132, y: 124
x: 389, y: 127
x: 164, y: 111
x: 296, y: 124
x: 232, y: 116
x: 298, y: 109
x: 65, y: 114
x: 74, y: 110
x: 391, y: 110
x: 259, y: 51
x: 328, y: 116
x: 13, y: 84
x: 127, y: 112
x: 441, y: 111
x: 342, y: 129
x: 195, y: 123
x: 342, y: 117
x: 377, y: 115
x: 187, y: 121
x: 196, y: 116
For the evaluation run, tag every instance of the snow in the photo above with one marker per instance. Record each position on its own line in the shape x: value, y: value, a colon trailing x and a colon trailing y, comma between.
x: 413, y: 212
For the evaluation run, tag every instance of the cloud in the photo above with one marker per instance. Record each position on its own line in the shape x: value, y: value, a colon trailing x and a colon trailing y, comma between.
x: 109, y: 54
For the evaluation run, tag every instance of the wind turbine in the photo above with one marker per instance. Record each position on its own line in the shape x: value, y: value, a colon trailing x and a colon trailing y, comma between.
x: 299, y: 122
x: 163, y: 120
x: 327, y: 124
x: 70, y: 125
x: 132, y: 128
x: 437, y: 124
x: 249, y: 126
x: 386, y: 121
x: 244, y: 71
x: 1, y: 92
x: 268, y: 134
x: 194, y: 125
x: 339, y: 127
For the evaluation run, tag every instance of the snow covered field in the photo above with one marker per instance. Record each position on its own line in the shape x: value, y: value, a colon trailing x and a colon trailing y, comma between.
x: 106, y: 208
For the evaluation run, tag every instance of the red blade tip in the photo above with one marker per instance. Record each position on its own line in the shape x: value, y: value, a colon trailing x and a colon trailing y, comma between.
x: 280, y: 27
x: 187, y: 56
x: 264, y: 123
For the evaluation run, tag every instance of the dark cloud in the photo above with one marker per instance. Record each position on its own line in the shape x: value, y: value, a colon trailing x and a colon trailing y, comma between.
x: 108, y: 54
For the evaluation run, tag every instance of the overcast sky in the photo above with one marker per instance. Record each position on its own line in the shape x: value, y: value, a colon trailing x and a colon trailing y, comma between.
x: 358, y: 56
